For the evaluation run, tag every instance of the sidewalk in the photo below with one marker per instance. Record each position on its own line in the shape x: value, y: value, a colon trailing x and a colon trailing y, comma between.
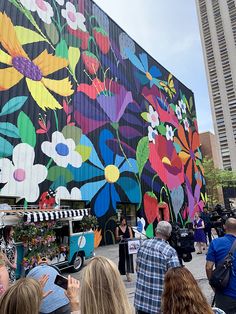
x: 196, y: 266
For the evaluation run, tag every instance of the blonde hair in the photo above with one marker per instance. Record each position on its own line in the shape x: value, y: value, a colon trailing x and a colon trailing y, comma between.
x: 102, y: 289
x: 182, y: 294
x: 24, y: 297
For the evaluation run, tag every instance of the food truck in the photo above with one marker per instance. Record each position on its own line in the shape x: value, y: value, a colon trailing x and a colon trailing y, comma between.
x: 58, y: 234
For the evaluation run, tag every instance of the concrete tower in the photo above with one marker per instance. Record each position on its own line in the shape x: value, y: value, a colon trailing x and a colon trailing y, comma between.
x: 217, y: 20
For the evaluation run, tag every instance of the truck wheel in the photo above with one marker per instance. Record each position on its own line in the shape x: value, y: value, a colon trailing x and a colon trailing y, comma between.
x: 78, y: 262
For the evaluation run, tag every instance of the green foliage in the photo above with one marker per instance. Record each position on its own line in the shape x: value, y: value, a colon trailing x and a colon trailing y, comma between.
x: 89, y: 222
x: 142, y: 153
x: 26, y: 129
x: 215, y: 179
x: 55, y: 172
x: 38, y: 239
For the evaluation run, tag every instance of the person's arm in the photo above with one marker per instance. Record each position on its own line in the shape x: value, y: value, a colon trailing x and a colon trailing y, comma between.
x: 117, y: 234
x: 15, y: 259
x: 210, y: 260
x: 8, y: 263
x: 130, y: 233
x: 202, y: 225
x: 4, y: 279
x: 209, y: 269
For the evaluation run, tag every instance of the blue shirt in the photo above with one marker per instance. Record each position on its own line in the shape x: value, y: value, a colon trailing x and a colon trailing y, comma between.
x: 57, y: 298
x: 154, y: 258
x: 217, y: 251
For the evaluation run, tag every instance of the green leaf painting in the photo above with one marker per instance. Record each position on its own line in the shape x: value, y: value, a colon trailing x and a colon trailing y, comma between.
x: 142, y: 153
x: 161, y: 129
x: 62, y: 49
x: 144, y: 116
x: 13, y: 105
x: 73, y: 56
x: 52, y: 32
x: 27, y: 36
x: 26, y: 129
x: 9, y: 129
x: 84, y: 151
x: 70, y: 131
x: 55, y: 172
x: 149, y: 231
x: 5, y: 148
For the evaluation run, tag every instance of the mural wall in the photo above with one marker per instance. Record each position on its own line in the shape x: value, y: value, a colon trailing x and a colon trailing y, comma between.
x: 86, y: 113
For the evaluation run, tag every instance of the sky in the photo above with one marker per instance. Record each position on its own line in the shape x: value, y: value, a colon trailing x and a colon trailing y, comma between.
x: 168, y: 30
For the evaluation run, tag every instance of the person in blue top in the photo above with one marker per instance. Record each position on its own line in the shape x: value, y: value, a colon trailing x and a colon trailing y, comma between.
x: 56, y: 302
x: 218, y: 249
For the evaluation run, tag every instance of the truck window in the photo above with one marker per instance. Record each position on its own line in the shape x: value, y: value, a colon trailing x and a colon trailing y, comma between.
x: 76, y: 227
x: 62, y: 233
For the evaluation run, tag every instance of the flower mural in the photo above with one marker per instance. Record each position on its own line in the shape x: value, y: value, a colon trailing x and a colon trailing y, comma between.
x: 62, y: 151
x: 63, y: 193
x: 195, y: 204
x: 43, y: 8
x: 146, y: 74
x: 165, y: 161
x: 108, y: 173
x: 153, y: 117
x: 35, y: 72
x: 190, y: 153
x: 21, y: 176
x: 74, y: 19
x: 100, y: 103
x: 152, y: 134
x: 126, y: 130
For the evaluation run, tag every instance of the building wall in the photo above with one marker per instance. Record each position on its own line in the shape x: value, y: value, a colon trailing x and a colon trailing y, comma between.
x: 210, y: 148
x: 217, y: 20
x: 87, y: 114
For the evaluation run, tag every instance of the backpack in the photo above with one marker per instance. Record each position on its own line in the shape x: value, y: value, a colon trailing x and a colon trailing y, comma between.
x: 221, y: 274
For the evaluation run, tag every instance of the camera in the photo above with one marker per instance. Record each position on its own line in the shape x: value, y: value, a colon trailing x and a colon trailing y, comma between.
x: 182, y: 240
x: 218, y: 218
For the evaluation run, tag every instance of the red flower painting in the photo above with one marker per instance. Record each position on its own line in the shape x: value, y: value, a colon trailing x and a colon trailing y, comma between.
x: 165, y: 161
x: 190, y: 153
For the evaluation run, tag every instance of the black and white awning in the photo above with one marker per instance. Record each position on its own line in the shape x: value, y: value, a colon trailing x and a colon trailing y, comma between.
x: 38, y: 216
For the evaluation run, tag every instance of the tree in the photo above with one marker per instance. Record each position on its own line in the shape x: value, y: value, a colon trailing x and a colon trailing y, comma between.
x: 212, y: 177
x: 215, y: 179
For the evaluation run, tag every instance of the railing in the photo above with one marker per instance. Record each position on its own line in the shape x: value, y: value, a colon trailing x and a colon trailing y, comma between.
x: 35, y: 208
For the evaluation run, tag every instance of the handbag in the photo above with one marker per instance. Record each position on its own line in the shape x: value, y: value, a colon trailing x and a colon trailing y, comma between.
x: 221, y: 274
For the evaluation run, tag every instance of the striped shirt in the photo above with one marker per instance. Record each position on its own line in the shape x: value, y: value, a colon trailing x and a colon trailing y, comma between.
x: 154, y: 258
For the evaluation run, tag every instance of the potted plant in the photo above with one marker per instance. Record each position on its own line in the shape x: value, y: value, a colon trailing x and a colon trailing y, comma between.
x: 89, y: 223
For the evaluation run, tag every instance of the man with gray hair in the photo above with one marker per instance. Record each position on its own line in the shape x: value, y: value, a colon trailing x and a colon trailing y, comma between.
x: 154, y: 258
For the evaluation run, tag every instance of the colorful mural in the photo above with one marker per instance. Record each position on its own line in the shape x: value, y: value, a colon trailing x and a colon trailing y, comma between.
x: 88, y: 114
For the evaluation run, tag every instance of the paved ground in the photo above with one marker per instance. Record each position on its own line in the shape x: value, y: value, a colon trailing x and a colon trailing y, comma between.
x: 196, y: 266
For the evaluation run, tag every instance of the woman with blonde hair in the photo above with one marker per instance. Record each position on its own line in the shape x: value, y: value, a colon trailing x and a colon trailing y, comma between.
x: 102, y: 289
x: 24, y: 297
x: 182, y: 294
x: 4, y: 276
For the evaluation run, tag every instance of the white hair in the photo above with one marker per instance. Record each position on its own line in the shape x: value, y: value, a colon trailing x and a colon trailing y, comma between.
x: 164, y: 228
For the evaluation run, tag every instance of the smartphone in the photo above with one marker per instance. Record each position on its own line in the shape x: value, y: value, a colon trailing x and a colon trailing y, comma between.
x: 61, y: 281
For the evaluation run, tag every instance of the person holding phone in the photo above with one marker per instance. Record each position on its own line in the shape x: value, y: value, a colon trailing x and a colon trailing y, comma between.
x: 56, y: 302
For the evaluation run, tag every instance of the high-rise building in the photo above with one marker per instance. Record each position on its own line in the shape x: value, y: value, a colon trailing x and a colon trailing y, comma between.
x: 217, y: 20
x: 210, y: 148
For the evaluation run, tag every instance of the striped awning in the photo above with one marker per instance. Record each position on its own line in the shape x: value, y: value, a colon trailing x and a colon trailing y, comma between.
x: 37, y: 216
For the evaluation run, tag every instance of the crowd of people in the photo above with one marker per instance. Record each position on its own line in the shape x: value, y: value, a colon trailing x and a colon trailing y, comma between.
x: 162, y: 286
